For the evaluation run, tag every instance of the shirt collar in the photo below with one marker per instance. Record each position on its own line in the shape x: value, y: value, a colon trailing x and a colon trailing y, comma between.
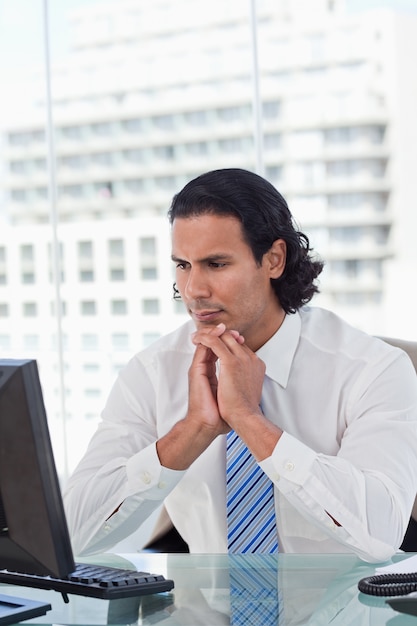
x: 278, y: 352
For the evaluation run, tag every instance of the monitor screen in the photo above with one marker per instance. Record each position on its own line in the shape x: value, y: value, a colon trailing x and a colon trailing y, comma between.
x: 34, y: 537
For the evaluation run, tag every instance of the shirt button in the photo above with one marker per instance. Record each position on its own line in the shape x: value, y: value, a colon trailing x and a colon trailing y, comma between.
x: 276, y: 477
x: 146, y: 478
x: 106, y: 528
x: 162, y: 484
x: 289, y: 465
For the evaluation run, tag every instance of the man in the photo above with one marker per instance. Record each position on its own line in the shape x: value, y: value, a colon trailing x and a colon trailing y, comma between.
x: 328, y: 412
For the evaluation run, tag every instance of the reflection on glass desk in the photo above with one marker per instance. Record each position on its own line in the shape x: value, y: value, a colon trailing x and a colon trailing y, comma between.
x: 312, y: 589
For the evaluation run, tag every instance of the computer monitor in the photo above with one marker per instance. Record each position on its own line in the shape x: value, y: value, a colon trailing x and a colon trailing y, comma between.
x: 34, y: 537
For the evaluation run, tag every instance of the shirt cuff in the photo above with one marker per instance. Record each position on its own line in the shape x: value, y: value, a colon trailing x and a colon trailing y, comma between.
x: 289, y: 464
x: 146, y: 474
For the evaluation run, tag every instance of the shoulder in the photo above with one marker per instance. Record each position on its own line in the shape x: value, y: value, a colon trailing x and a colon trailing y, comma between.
x: 177, y: 343
x: 165, y: 357
x: 330, y: 333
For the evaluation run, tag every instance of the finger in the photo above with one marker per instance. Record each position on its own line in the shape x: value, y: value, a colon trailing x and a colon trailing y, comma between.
x: 224, y: 346
x: 217, y: 331
x: 237, y: 336
x: 235, y: 345
x: 213, y: 330
x: 203, y: 355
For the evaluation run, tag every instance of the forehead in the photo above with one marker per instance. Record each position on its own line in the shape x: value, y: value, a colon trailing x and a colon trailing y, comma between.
x: 207, y: 233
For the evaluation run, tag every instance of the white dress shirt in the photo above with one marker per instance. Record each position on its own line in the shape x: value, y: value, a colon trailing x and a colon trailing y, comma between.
x: 347, y: 404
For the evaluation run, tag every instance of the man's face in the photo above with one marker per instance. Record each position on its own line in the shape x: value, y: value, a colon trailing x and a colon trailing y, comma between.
x: 220, y: 281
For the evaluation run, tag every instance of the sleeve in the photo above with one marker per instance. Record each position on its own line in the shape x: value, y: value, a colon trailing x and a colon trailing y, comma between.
x: 119, y: 482
x: 369, y: 487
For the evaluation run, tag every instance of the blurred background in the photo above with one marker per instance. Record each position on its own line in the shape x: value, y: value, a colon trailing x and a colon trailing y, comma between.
x: 108, y: 108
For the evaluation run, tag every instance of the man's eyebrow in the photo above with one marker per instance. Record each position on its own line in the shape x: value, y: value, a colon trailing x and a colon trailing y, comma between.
x: 211, y: 258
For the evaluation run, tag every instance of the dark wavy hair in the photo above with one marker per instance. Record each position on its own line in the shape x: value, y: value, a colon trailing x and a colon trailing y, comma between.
x: 265, y: 217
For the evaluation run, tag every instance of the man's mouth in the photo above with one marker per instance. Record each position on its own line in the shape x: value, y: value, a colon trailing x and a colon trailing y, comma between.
x: 205, y: 315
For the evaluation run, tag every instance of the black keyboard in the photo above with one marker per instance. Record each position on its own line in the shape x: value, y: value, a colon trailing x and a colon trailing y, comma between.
x: 95, y: 581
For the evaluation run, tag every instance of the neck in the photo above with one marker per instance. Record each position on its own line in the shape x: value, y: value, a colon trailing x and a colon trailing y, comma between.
x: 265, y: 335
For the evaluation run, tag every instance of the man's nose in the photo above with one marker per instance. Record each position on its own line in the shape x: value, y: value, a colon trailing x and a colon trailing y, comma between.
x: 197, y: 285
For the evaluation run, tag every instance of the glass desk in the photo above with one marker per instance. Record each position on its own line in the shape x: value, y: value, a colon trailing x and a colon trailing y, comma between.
x: 313, y: 589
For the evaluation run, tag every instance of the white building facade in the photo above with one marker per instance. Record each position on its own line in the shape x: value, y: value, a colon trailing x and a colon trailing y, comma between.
x: 153, y: 94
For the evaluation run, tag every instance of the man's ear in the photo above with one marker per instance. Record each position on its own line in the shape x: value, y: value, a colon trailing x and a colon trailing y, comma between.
x: 276, y: 256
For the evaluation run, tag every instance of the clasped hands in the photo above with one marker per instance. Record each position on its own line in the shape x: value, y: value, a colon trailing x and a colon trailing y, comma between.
x: 226, y: 397
x: 220, y: 399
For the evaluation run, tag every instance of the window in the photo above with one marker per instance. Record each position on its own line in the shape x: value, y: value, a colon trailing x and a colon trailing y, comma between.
x: 150, y: 307
x: 39, y: 165
x: 164, y: 122
x: 18, y: 195
x: 92, y: 393
x: 27, y: 252
x: 37, y: 136
x: 196, y: 118
x: 19, y: 139
x: 198, y: 148
x: 18, y: 167
x: 89, y: 341
x: 91, y: 368
x: 135, y: 155
x: 272, y: 141
x: 30, y: 309
x: 147, y: 246
x: 346, y: 200
x: 132, y: 126
x: 40, y: 193
x: 120, y: 341
x: 231, y: 114
x: 149, y: 273
x: 101, y: 129
x: 104, y: 189
x: 273, y: 173
x: 119, y: 307
x: 134, y: 185
x: 75, y: 162
x: 4, y: 309
x: 103, y: 158
x: 86, y: 276
x: 116, y: 248
x: 164, y: 153
x: 117, y: 274
x: 88, y: 307
x: 165, y: 182
x: 85, y: 249
x: 271, y: 109
x: 28, y: 278
x: 231, y: 145
x: 72, y: 191
x: 71, y: 132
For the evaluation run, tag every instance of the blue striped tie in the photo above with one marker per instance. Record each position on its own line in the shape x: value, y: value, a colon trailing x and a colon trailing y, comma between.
x: 250, y: 502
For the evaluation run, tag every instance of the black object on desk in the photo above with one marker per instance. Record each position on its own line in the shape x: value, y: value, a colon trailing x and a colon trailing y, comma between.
x: 13, y: 610
x: 35, y: 548
x: 404, y: 604
x: 95, y: 581
x: 401, y: 590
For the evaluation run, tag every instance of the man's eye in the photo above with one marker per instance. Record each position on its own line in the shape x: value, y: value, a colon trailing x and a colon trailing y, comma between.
x: 217, y: 265
x: 180, y: 266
